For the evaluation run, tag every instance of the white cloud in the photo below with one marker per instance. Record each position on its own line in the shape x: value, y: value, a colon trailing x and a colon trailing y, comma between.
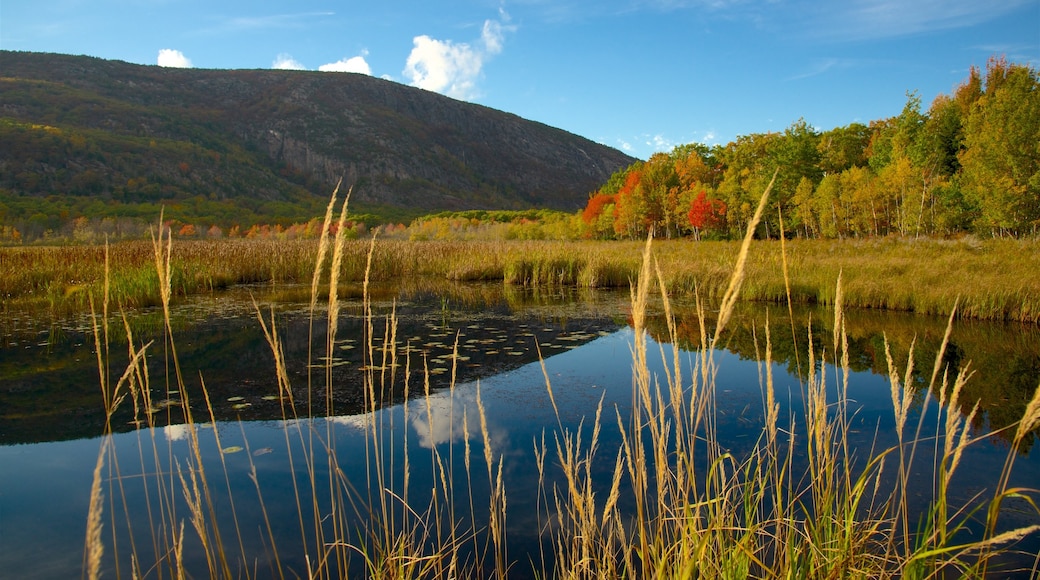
x: 354, y: 64
x: 173, y: 58
x: 453, y: 68
x: 865, y: 19
x: 444, y: 67
x: 287, y: 62
x: 660, y: 143
x: 493, y: 36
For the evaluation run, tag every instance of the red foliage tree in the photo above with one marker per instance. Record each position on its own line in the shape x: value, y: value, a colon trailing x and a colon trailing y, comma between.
x: 706, y: 214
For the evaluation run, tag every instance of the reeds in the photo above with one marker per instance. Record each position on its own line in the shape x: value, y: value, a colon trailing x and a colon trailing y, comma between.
x: 701, y: 511
x: 801, y: 502
x: 991, y: 279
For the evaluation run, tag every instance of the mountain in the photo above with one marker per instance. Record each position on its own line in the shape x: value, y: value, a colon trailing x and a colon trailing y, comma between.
x: 76, y: 126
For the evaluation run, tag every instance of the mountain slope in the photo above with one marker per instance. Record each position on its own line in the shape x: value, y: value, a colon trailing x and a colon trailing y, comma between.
x: 82, y: 126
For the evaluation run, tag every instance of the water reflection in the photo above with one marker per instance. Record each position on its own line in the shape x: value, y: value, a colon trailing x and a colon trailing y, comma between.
x: 49, y: 389
x: 1004, y: 358
x: 44, y: 485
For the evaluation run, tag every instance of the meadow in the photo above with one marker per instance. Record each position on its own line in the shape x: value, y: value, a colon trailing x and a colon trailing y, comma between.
x: 673, y: 500
x: 992, y: 279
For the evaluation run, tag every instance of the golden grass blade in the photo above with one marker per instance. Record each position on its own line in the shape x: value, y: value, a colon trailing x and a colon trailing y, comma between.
x: 729, y: 298
x: 323, y: 245
x: 1030, y: 418
x: 94, y: 548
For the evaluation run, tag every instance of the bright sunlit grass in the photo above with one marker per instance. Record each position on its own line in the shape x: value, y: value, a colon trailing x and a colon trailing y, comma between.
x: 992, y: 279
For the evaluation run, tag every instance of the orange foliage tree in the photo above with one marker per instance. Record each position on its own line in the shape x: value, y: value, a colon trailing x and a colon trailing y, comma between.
x: 706, y: 214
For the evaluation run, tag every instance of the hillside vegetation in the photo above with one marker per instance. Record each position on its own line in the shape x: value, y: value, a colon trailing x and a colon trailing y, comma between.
x: 85, y: 137
x: 92, y: 147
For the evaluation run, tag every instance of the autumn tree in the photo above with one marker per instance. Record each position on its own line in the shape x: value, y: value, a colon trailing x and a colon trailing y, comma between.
x: 971, y: 162
x: 747, y: 161
x: 626, y: 204
x: 697, y: 164
x: 706, y: 214
x: 598, y: 216
x: 796, y: 154
x: 1001, y: 156
x: 657, y: 188
x: 843, y: 147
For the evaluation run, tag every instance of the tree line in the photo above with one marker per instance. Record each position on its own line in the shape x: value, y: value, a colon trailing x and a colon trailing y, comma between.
x: 970, y: 163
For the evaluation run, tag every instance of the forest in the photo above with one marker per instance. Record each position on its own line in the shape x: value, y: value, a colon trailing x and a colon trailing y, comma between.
x: 970, y: 163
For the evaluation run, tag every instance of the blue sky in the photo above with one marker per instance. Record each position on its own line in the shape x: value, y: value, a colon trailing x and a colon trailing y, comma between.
x: 639, y: 75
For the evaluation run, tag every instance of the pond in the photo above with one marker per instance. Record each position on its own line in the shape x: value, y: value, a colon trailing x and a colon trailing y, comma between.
x: 479, y: 368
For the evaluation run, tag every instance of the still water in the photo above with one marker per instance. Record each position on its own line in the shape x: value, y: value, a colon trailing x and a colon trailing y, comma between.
x: 489, y: 337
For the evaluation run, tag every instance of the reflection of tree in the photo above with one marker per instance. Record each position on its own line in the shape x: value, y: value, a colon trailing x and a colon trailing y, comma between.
x: 1005, y: 359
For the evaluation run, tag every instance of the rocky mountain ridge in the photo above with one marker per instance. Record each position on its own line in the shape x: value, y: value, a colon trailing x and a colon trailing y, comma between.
x: 75, y: 125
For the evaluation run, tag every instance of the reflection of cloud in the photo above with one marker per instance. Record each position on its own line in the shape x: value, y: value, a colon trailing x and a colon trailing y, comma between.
x: 173, y: 58
x: 182, y: 431
x: 359, y: 422
x: 176, y: 432
x: 444, y: 417
x: 451, y: 68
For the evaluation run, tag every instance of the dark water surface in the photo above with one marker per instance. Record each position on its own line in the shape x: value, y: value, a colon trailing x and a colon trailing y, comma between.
x: 51, y: 407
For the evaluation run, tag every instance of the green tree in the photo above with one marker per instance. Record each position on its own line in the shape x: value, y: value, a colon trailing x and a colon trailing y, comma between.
x: 804, y: 215
x: 843, y: 147
x: 828, y: 208
x: 796, y: 153
x: 748, y: 170
x: 1001, y: 157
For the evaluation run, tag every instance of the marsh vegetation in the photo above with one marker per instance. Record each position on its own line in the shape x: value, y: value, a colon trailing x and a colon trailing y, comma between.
x: 646, y: 481
x: 991, y: 279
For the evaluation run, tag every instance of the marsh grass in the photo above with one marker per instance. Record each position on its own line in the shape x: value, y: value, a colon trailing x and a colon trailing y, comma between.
x: 990, y: 279
x: 802, y: 502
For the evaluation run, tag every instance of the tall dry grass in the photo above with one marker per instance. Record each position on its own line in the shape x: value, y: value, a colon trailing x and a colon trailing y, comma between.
x: 801, y: 503
x: 989, y: 279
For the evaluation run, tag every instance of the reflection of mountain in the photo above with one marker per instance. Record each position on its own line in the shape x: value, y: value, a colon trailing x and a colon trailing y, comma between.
x: 49, y: 387
x: 49, y: 390
x: 1005, y: 358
